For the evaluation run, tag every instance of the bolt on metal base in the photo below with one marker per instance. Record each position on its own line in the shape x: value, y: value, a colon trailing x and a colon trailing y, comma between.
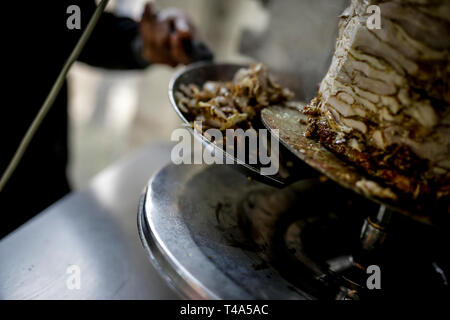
x: 373, y: 233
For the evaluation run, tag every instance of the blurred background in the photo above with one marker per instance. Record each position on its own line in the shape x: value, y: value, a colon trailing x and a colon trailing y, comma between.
x: 113, y: 113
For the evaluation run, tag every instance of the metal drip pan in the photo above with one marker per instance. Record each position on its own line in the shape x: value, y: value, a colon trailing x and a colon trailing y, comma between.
x: 188, y: 226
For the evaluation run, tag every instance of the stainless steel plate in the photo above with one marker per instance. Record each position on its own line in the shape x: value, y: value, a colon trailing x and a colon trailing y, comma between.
x: 188, y: 224
x: 212, y: 234
x: 198, y: 74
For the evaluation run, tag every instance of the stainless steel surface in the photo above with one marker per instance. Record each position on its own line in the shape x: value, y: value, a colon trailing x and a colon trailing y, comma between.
x: 94, y: 229
x: 198, y: 74
x: 189, y: 227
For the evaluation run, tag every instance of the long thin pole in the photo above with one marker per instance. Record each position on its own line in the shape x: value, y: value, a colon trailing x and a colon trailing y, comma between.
x: 48, y: 103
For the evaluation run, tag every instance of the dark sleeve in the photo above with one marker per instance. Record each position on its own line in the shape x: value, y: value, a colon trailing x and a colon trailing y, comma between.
x: 114, y: 44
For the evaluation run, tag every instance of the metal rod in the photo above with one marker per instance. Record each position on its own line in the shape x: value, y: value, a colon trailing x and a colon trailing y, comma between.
x: 48, y: 103
x: 373, y: 232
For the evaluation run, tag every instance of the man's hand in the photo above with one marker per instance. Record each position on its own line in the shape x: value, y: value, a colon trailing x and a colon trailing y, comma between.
x: 166, y: 36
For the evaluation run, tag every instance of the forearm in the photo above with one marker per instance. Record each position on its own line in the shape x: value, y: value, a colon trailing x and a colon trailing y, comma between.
x: 114, y: 44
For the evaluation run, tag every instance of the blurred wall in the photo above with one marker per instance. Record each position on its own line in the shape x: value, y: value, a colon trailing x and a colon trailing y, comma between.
x: 299, y: 39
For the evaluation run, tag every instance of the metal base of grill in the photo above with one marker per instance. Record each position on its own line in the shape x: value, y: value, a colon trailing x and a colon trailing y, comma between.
x: 214, y: 234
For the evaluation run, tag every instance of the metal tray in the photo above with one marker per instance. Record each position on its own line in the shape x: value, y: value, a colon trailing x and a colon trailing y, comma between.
x: 192, y: 248
x: 199, y: 73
